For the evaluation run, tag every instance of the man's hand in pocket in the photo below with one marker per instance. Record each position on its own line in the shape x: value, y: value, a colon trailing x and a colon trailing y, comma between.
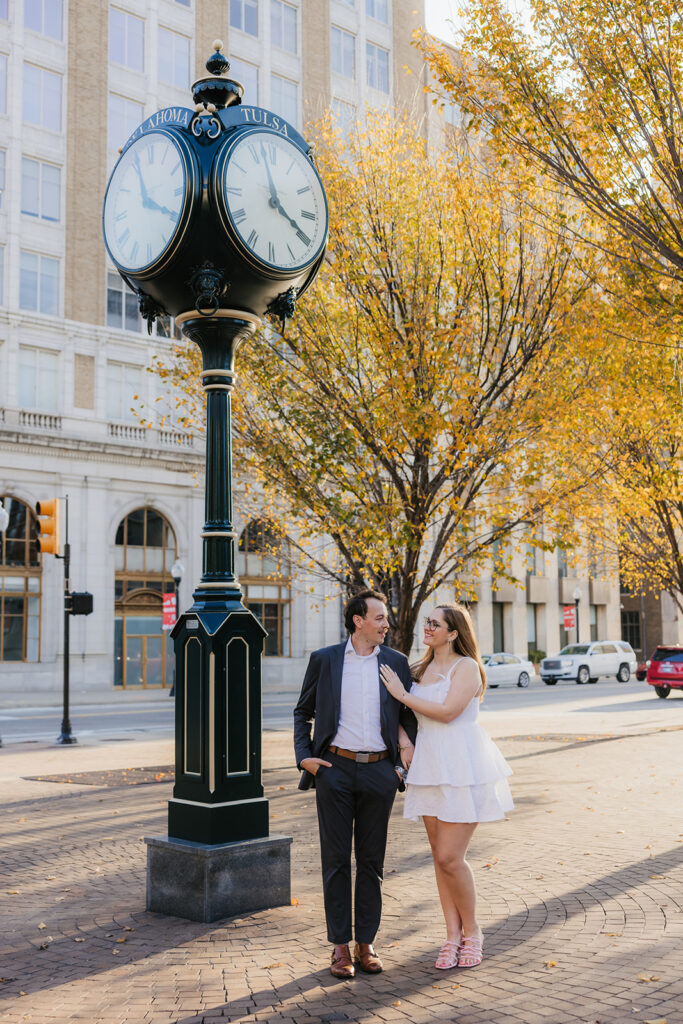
x: 311, y: 764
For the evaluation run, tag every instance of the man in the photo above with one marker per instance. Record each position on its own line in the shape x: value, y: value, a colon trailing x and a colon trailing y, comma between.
x: 352, y: 761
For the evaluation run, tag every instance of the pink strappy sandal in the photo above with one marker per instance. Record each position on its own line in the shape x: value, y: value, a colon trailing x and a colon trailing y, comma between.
x: 448, y: 955
x: 471, y: 951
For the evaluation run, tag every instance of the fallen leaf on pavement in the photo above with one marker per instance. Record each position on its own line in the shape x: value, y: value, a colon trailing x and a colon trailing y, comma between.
x: 614, y: 935
x: 550, y: 963
x: 660, y: 1020
x: 79, y: 940
x: 42, y: 925
x: 648, y: 977
x: 656, y: 876
x: 121, y: 940
x: 396, y: 1003
x: 115, y: 952
x: 127, y: 928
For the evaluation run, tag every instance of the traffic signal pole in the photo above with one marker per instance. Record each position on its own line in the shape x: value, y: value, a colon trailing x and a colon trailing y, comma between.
x: 66, y: 736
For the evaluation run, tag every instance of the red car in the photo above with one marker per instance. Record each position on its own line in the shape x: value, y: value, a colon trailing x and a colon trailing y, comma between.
x: 665, y: 669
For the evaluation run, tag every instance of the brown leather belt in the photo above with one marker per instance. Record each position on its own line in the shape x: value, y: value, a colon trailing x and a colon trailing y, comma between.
x: 360, y: 755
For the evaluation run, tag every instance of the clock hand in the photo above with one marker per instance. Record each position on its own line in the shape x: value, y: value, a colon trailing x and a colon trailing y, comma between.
x: 274, y: 200
x: 281, y: 209
x: 153, y: 205
x: 143, y: 190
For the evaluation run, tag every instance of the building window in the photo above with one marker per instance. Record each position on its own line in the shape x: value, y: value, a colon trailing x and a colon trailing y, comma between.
x: 283, y: 25
x: 3, y: 162
x: 184, y: 3
x: 144, y: 553
x: 246, y: 75
x: 562, y: 564
x: 123, y: 118
x: 38, y: 283
x: 345, y: 115
x: 2, y: 275
x: 531, y: 628
x: 40, y: 189
x: 122, y: 305
x: 343, y: 47
x: 377, y: 9
x: 19, y: 584
x: 42, y: 98
x: 126, y: 39
x: 124, y: 383
x: 3, y: 10
x: 44, y: 16
x: 174, y: 59
x: 531, y: 560
x: 244, y: 16
x: 377, y: 67
x: 263, y: 565
x: 38, y: 379
x: 593, y: 618
x: 3, y: 83
x: 284, y: 98
x: 498, y: 627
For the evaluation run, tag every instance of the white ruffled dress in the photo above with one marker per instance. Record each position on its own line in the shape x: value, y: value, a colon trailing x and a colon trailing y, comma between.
x: 457, y: 772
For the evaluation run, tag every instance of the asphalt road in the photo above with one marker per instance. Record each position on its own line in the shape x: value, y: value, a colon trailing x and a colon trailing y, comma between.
x: 607, y: 702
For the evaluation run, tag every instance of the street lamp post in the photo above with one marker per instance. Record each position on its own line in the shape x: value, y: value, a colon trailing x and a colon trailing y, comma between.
x: 216, y: 216
x: 577, y: 597
x: 177, y: 570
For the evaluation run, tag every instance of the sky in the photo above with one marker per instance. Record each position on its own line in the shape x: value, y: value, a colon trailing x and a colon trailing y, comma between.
x: 440, y: 13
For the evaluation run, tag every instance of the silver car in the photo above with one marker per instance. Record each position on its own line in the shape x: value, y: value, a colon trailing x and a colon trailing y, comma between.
x: 504, y: 669
x: 587, y: 662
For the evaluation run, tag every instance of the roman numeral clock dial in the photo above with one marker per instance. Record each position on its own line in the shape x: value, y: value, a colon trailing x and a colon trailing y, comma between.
x: 272, y: 201
x: 145, y: 202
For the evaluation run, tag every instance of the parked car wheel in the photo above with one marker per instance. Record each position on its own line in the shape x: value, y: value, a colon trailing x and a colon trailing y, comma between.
x: 491, y: 686
x: 592, y: 680
x: 663, y: 691
x: 583, y: 675
x: 523, y: 679
x: 624, y: 674
x: 550, y: 682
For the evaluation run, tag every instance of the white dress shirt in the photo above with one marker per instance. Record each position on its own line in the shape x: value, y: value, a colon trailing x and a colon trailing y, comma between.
x: 359, y: 713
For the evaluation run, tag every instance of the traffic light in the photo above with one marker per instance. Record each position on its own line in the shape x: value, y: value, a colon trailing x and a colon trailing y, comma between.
x: 49, y: 537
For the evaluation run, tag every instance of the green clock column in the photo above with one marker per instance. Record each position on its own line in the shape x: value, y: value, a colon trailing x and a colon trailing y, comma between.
x: 218, y: 795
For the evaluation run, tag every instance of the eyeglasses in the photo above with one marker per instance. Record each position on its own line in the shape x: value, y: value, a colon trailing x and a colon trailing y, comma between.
x: 432, y: 624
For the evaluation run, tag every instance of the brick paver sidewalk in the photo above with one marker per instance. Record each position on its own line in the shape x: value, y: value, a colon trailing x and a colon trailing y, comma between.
x: 581, y: 901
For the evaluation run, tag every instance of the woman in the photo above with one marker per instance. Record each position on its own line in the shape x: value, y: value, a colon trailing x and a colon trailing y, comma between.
x: 458, y: 777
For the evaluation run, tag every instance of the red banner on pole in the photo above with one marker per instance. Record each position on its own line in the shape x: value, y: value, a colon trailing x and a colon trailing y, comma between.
x: 169, y: 612
x: 569, y: 616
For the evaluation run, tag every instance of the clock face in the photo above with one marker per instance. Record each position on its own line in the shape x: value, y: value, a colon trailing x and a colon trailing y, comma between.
x: 275, y: 201
x: 145, y: 201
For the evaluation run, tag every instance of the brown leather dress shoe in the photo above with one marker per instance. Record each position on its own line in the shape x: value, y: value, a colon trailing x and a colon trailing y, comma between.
x: 342, y: 964
x: 366, y: 958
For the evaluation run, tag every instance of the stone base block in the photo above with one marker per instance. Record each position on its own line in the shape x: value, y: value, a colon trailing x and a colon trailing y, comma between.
x: 204, y: 882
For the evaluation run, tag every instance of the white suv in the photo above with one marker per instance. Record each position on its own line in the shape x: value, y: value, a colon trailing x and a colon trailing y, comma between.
x: 586, y: 662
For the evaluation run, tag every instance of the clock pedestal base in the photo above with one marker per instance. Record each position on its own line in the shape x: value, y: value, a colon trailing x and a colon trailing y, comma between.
x: 207, y: 882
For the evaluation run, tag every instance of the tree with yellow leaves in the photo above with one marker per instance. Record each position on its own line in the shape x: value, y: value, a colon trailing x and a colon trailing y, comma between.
x: 592, y: 97
x: 422, y: 406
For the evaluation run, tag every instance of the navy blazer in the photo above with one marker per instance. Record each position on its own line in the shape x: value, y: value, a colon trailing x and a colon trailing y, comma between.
x: 320, y: 703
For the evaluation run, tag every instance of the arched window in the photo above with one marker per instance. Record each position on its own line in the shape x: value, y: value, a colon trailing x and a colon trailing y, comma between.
x: 264, y: 570
x: 145, y: 552
x: 19, y: 584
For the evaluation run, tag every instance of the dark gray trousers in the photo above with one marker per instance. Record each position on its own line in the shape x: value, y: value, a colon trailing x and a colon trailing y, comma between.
x: 354, y: 804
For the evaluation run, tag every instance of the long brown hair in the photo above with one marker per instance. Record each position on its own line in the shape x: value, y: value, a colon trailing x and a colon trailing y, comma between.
x: 465, y: 643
